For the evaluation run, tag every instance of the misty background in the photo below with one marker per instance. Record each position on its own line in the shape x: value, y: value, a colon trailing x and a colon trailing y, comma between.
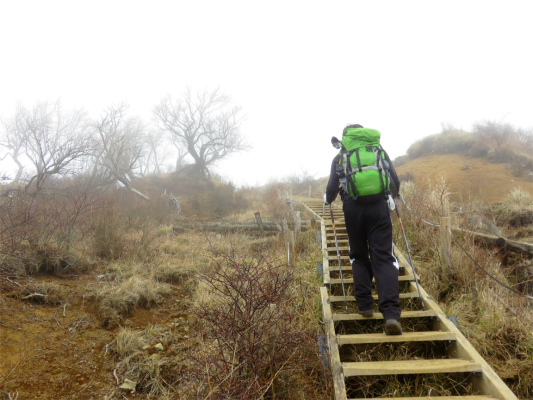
x: 300, y: 70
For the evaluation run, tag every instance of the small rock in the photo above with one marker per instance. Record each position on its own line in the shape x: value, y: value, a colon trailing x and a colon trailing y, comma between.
x: 128, y: 385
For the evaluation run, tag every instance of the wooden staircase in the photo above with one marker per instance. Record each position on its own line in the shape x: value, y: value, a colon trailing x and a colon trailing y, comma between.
x: 361, y: 355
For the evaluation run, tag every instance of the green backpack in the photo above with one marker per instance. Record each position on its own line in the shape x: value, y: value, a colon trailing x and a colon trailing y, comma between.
x: 362, y: 168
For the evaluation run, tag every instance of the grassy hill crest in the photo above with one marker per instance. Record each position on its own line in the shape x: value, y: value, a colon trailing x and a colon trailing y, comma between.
x: 470, y: 179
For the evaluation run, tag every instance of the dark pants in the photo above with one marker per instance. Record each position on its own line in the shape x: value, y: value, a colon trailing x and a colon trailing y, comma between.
x: 369, y: 227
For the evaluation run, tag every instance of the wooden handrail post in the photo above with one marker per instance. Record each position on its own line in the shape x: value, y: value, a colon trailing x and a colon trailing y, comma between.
x: 292, y: 255
x: 285, y: 228
x: 297, y: 223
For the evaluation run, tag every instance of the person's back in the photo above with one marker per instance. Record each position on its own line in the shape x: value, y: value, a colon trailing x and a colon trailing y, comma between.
x: 364, y: 175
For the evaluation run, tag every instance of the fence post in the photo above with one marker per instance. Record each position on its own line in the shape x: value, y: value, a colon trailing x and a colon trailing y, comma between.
x: 445, y: 247
x: 310, y: 191
x: 285, y: 228
x: 289, y: 205
x: 292, y: 256
x: 259, y: 222
x: 297, y: 223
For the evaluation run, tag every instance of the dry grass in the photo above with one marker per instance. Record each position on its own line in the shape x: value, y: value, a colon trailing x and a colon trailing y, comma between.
x: 409, y: 386
x: 148, y: 357
x: 496, y: 321
x: 43, y: 292
x: 116, y: 302
x: 481, y: 181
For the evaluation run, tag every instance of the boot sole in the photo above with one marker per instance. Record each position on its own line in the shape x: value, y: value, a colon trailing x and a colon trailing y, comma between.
x: 393, y: 327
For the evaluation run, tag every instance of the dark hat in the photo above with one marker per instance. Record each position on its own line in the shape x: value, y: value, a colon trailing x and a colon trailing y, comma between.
x: 351, y: 126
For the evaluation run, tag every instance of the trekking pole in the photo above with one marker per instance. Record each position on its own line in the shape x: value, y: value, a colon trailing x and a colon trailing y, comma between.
x: 338, y: 256
x: 409, y: 253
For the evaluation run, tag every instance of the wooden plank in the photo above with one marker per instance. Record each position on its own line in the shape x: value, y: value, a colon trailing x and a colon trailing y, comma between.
x: 377, y: 315
x: 335, y: 299
x: 334, y: 357
x: 520, y: 247
x: 453, y: 365
x: 401, y: 278
x: 326, y: 259
x: 335, y: 257
x: 334, y: 249
x: 427, y: 336
x: 348, y: 267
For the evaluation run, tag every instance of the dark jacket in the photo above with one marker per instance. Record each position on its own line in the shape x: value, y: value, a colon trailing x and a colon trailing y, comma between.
x: 333, y: 188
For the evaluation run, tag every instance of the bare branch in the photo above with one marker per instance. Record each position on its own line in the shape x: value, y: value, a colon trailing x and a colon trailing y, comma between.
x: 120, y: 148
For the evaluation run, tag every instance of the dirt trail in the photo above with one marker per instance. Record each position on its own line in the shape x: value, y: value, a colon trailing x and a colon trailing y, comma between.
x: 47, y: 355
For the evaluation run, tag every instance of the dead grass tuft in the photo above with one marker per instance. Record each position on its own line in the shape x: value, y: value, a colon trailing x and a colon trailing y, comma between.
x: 118, y: 302
x: 43, y: 292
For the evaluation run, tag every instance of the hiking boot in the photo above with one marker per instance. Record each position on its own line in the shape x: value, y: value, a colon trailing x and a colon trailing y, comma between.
x: 366, y: 313
x: 393, y: 327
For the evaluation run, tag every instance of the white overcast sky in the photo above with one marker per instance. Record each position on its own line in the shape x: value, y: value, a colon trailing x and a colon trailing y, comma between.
x: 301, y: 70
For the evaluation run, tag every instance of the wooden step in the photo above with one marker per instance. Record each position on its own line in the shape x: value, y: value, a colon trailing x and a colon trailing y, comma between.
x: 347, y: 281
x: 377, y: 315
x: 427, y: 336
x: 335, y: 267
x: 335, y: 299
x: 409, y: 367
x: 330, y: 258
x: 334, y: 249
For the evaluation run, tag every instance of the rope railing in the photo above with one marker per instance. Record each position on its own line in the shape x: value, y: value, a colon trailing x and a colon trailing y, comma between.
x: 485, y: 271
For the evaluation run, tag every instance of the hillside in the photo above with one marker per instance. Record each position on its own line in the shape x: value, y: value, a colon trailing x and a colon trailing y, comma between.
x: 469, y: 178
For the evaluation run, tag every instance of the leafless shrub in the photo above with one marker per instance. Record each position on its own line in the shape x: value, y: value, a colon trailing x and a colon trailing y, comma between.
x: 38, y: 229
x: 107, y: 234
x: 274, y: 201
x: 252, y: 343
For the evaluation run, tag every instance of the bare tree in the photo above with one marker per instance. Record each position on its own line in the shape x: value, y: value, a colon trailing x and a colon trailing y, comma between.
x: 119, y: 149
x: 206, y: 125
x: 51, y: 140
x: 13, y: 138
x: 156, y: 142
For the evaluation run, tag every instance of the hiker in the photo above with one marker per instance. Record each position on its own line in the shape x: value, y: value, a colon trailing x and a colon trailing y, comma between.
x: 367, y: 181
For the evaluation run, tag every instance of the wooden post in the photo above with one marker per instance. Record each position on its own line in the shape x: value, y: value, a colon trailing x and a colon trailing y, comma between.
x: 292, y: 255
x: 285, y: 228
x: 289, y: 204
x: 297, y: 223
x: 259, y: 222
x: 310, y: 191
x: 445, y: 247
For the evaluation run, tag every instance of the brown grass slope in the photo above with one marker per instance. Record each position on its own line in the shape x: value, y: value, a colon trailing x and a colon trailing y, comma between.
x: 470, y: 179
